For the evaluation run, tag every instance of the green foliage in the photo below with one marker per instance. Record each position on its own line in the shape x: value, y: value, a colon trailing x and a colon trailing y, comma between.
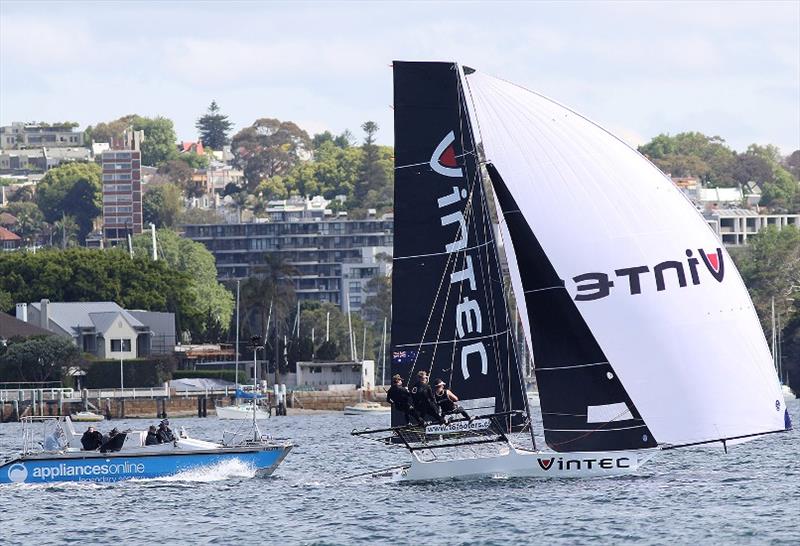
x: 79, y: 274
x: 692, y: 154
x: 6, y: 300
x: 225, y: 375
x: 72, y: 189
x: 194, y: 160
x: 159, y: 141
x: 30, y: 220
x: 161, y: 205
x: 214, y: 128
x: 211, y: 303
x: 138, y: 373
x: 270, y: 287
x: 110, y: 131
x: 199, y: 216
x: 38, y: 358
x: 268, y: 148
x: 180, y: 173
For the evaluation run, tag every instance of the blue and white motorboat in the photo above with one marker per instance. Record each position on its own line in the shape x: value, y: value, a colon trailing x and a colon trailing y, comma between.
x: 52, y: 452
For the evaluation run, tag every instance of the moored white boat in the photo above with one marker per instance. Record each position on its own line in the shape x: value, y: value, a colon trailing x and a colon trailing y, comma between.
x: 242, y: 412
x: 362, y: 408
x: 86, y: 416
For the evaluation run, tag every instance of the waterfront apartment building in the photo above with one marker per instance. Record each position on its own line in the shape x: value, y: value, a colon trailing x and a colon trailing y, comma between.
x: 36, y: 135
x: 733, y: 226
x: 122, y: 195
x: 334, y: 258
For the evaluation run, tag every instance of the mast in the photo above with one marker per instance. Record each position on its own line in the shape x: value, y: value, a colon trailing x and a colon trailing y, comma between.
x: 236, y: 350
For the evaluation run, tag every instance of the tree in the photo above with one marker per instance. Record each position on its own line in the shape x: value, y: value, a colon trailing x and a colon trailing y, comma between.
x: 110, y: 131
x: 214, y: 128
x: 692, y: 154
x: 180, y: 173
x: 792, y: 164
x: 158, y: 145
x: 211, y: 302
x: 30, y: 220
x: 269, y: 287
x: 161, y: 205
x: 38, y: 359
x: 72, y: 189
x: 65, y: 232
x: 268, y: 148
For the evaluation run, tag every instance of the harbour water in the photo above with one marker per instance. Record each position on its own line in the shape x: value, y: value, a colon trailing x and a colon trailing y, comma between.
x: 697, y: 495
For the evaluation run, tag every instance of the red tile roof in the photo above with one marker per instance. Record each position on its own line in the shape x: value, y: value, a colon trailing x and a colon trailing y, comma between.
x: 6, y: 235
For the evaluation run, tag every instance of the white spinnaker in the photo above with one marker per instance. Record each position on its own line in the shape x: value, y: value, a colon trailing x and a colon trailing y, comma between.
x: 693, y: 359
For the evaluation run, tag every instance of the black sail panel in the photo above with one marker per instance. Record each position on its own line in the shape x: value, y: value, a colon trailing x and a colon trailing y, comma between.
x: 449, y: 316
x: 584, y: 405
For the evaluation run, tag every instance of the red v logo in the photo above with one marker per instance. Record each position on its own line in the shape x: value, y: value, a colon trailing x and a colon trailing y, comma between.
x: 546, y: 463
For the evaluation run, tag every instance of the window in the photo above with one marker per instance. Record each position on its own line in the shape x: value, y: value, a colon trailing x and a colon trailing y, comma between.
x: 120, y: 345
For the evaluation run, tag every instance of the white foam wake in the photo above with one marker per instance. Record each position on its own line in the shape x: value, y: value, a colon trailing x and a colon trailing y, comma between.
x: 233, y: 468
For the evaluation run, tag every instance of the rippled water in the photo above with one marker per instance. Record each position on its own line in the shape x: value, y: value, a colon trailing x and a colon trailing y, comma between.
x: 749, y: 496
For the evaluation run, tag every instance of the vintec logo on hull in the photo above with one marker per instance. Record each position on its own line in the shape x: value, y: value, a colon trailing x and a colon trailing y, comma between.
x: 595, y: 286
x: 606, y: 463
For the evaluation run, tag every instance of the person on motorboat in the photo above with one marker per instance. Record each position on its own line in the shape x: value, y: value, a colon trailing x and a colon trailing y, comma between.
x: 91, y: 439
x: 423, y: 399
x: 114, y: 441
x: 164, y: 433
x: 152, y: 436
x: 446, y: 400
x: 399, y: 397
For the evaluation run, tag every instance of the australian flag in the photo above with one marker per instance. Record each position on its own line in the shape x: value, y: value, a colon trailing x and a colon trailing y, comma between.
x: 403, y: 357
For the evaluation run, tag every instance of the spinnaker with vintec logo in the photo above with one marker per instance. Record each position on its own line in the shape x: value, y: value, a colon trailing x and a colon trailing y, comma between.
x: 642, y: 333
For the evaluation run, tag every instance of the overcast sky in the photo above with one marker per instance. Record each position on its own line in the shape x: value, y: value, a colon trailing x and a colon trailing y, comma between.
x: 640, y: 69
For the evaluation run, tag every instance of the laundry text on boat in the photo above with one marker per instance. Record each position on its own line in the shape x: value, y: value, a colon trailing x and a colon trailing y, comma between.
x: 469, y: 317
x: 595, y: 286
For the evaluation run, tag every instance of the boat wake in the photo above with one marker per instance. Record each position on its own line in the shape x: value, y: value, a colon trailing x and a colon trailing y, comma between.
x: 221, y: 471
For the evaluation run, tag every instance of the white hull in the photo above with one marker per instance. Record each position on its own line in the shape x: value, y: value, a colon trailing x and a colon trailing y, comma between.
x: 242, y: 412
x: 86, y: 416
x: 519, y: 463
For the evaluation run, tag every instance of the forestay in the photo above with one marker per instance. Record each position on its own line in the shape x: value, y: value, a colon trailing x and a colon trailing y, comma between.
x: 652, y: 297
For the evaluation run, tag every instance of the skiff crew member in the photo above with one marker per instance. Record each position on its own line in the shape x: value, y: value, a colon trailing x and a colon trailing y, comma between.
x: 91, y: 439
x: 399, y: 397
x: 447, y: 400
x: 424, y: 402
x: 165, y: 433
x: 152, y: 436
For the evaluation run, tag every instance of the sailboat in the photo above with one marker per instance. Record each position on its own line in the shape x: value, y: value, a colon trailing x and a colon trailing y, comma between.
x: 642, y: 334
x: 246, y: 406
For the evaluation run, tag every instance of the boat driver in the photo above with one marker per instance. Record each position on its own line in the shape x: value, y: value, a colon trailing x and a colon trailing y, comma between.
x: 447, y: 400
x: 91, y: 439
x: 399, y: 397
x: 164, y: 433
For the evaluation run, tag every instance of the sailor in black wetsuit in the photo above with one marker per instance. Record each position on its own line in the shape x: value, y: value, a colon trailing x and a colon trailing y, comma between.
x: 399, y: 397
x: 424, y: 402
x: 446, y: 400
x: 91, y: 439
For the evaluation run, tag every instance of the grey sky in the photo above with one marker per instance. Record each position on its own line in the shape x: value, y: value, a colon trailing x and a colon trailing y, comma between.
x: 639, y: 69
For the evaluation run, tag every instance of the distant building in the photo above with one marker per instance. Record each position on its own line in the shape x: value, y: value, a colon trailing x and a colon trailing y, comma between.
x: 36, y: 135
x: 39, y: 159
x: 734, y: 226
x: 122, y: 189
x: 9, y: 240
x: 104, y: 329
x: 321, y: 375
x: 13, y: 327
x: 333, y: 258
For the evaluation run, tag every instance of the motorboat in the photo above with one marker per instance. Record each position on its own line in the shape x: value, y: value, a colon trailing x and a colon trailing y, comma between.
x: 242, y: 412
x: 86, y: 417
x: 52, y: 452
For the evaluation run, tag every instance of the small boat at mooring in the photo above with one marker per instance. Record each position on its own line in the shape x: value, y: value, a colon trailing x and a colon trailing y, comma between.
x: 86, y: 417
x: 365, y: 408
x: 643, y: 335
x: 53, y: 453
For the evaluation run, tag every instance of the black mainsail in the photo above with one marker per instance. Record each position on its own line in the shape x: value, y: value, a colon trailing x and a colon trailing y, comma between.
x: 449, y: 315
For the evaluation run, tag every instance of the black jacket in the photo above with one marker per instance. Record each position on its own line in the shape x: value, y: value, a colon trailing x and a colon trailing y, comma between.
x: 152, y: 439
x: 165, y: 435
x: 91, y: 440
x: 399, y: 397
x: 422, y: 396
